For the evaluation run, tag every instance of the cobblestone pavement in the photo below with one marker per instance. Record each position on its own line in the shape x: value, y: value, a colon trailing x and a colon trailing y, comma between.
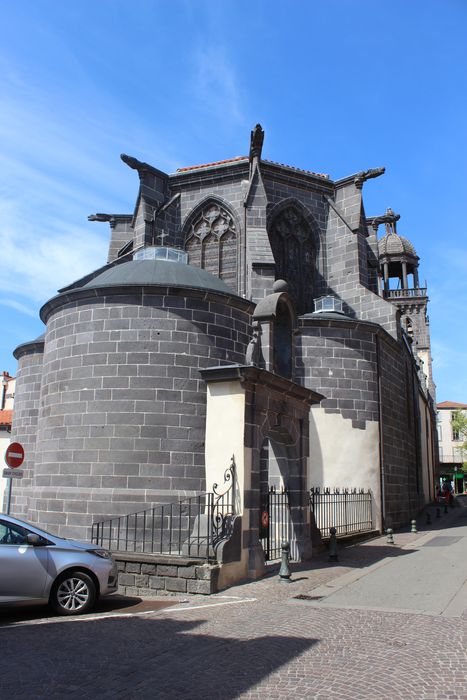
x: 255, y: 640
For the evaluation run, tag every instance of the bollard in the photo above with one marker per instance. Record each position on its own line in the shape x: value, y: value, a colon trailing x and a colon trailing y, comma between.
x: 428, y: 518
x: 390, y: 539
x: 413, y: 527
x: 284, y: 571
x: 333, y: 544
x: 445, y: 507
x: 438, y: 512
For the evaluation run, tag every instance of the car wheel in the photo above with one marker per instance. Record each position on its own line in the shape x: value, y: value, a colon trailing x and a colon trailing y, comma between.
x: 74, y: 593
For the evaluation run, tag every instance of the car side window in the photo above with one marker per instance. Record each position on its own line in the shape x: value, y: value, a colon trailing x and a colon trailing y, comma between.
x: 12, y: 534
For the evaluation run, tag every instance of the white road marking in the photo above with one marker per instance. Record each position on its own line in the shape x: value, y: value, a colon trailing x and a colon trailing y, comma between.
x: 105, y: 616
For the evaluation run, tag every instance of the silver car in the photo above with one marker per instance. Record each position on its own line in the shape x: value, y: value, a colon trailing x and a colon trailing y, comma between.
x: 36, y: 566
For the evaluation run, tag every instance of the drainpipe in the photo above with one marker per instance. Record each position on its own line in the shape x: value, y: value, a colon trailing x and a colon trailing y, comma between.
x: 380, y: 431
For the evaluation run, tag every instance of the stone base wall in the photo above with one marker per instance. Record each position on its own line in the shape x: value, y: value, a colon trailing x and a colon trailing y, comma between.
x: 153, y: 575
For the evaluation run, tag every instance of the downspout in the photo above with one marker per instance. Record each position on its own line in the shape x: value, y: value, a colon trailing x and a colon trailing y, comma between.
x: 380, y: 431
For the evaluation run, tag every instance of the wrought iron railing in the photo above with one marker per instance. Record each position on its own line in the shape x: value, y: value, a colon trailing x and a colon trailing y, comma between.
x: 397, y: 293
x: 276, y: 523
x: 348, y: 510
x: 192, y: 527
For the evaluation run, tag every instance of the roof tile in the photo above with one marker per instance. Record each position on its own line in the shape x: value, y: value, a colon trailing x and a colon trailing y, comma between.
x: 6, y: 417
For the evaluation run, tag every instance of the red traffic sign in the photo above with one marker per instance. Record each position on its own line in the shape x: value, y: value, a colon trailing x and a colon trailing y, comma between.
x: 14, y: 455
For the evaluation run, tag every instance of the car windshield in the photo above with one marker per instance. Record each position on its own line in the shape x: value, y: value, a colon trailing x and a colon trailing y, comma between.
x: 43, y: 532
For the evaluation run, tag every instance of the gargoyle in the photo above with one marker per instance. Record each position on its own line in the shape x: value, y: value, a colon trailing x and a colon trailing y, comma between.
x: 100, y: 217
x: 364, y: 175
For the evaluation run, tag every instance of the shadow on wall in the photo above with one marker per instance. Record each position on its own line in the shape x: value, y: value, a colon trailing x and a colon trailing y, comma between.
x: 144, y: 658
x: 316, y: 469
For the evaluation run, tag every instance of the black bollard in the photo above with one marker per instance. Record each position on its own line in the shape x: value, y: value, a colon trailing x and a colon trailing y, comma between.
x: 390, y: 537
x: 413, y: 526
x: 445, y: 507
x: 284, y: 572
x: 438, y: 512
x: 428, y: 518
x: 333, y: 544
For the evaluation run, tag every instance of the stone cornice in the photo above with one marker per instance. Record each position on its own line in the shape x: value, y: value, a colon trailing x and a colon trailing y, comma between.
x: 32, y: 347
x: 97, y: 293
x: 354, y: 323
x: 248, y: 374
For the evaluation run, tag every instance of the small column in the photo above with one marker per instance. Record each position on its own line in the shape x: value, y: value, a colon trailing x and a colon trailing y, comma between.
x: 405, y: 284
x: 416, y: 283
x: 386, y: 276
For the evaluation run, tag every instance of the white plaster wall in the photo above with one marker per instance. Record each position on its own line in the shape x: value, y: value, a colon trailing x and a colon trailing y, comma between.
x: 225, y: 420
x: 343, y: 456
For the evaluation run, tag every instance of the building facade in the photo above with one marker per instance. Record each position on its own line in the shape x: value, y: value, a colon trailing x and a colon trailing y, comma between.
x: 7, y: 397
x: 244, y: 288
x: 452, y: 456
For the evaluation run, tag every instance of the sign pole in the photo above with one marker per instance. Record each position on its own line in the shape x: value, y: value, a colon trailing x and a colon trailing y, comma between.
x: 14, y: 457
x: 8, y: 496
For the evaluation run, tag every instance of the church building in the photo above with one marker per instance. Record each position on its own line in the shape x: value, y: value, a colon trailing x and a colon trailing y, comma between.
x: 246, y: 308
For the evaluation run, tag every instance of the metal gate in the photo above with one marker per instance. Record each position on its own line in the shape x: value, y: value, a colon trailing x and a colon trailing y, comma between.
x: 276, y: 524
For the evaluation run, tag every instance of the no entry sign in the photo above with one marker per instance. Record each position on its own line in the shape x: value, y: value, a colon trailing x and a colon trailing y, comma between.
x: 14, y: 455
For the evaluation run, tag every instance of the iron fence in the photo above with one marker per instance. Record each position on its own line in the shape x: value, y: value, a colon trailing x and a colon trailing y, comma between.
x: 276, y: 524
x: 192, y: 527
x: 348, y: 510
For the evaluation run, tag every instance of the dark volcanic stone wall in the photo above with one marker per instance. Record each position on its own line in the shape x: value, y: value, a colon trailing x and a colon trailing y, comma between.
x: 122, y: 416
x: 338, y: 359
x: 402, y: 468
x: 25, y: 414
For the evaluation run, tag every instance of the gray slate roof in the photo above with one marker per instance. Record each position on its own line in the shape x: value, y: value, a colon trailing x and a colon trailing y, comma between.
x: 160, y: 273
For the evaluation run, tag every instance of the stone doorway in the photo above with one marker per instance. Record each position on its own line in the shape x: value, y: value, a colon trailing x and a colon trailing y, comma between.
x: 262, y: 419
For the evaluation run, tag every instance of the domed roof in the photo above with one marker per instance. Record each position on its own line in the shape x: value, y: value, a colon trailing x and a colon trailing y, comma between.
x: 393, y: 244
x: 164, y: 273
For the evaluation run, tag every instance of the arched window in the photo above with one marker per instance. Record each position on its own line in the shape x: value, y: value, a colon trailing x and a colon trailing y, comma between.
x: 294, y: 253
x: 211, y: 242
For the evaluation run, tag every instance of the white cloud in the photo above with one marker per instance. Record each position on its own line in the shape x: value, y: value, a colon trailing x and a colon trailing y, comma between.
x: 216, y: 87
x: 22, y: 308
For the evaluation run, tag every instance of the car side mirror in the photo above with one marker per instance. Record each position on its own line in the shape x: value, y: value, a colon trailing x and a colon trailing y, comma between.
x: 33, y: 539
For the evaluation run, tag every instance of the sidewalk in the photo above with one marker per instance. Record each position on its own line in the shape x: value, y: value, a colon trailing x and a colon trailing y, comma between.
x: 421, y: 572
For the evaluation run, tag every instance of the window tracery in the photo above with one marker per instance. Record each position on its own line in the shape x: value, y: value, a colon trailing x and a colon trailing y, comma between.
x: 294, y: 254
x: 211, y: 242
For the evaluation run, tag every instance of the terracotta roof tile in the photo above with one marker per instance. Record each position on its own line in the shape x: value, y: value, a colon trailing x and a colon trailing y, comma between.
x: 6, y: 417
x: 451, y: 404
x: 298, y: 170
x: 240, y: 158
x: 210, y: 165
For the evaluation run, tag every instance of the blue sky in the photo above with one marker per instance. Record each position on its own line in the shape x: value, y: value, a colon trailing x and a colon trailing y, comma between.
x: 338, y: 85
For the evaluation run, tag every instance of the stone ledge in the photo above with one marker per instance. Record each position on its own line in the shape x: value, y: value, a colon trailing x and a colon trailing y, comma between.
x: 146, y: 558
x: 151, y: 573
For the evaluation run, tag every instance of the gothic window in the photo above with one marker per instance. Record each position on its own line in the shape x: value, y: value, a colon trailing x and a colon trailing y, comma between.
x: 294, y: 254
x: 211, y: 243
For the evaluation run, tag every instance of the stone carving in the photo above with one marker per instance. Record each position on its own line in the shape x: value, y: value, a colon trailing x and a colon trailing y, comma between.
x: 138, y: 165
x: 389, y: 218
x: 100, y: 217
x: 253, y: 351
x: 368, y: 175
x: 256, y: 142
